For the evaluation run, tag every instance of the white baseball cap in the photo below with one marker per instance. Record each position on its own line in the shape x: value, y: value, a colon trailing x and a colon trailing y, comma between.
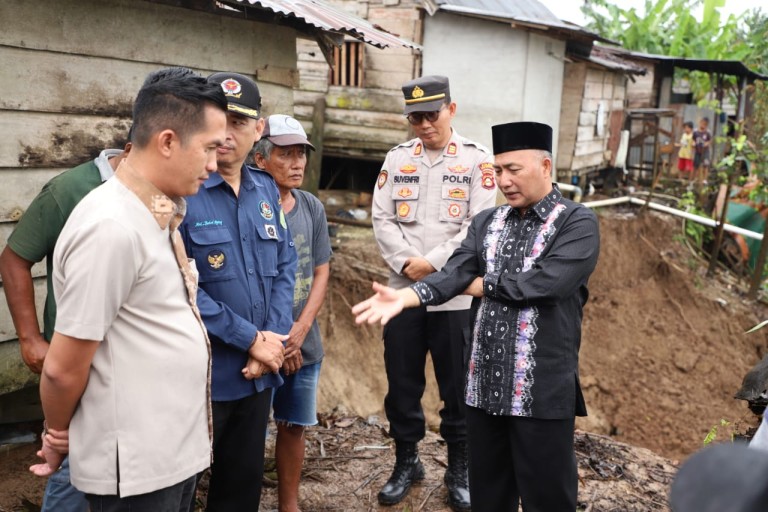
x: 283, y: 130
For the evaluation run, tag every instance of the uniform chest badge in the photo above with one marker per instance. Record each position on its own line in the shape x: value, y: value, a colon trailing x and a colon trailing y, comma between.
x: 417, y: 149
x: 271, y: 231
x: 487, y: 180
x: 454, y: 210
x: 405, y: 192
x: 382, y: 180
x: 216, y: 259
x: 266, y: 210
x: 408, y: 169
x: 403, y: 210
x: 457, y: 193
x: 452, y: 148
x: 458, y: 169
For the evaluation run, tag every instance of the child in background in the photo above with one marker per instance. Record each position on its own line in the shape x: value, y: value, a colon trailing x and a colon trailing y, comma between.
x: 702, y: 139
x: 685, y: 155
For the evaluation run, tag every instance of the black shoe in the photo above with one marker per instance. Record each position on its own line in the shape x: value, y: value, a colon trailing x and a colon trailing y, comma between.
x: 408, y: 469
x: 456, y: 478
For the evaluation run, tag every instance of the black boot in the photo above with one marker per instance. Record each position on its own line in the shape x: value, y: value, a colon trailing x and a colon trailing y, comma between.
x: 408, y: 469
x: 456, y: 478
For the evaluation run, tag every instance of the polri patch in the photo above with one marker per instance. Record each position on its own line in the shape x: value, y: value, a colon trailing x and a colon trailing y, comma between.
x: 271, y: 230
x: 487, y: 181
x: 382, y: 178
x: 266, y: 210
x: 231, y: 87
x: 216, y: 259
x: 403, y: 210
x: 454, y: 210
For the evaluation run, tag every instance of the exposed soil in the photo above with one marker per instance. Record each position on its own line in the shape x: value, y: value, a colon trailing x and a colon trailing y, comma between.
x: 663, y: 352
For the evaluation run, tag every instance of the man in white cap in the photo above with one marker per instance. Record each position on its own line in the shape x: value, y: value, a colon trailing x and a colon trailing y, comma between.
x: 526, y: 264
x: 282, y: 152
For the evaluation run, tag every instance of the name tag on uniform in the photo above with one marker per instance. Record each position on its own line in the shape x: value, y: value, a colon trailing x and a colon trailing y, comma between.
x: 271, y: 231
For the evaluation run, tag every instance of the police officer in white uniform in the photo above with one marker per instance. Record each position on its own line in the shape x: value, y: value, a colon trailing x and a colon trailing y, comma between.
x: 428, y: 190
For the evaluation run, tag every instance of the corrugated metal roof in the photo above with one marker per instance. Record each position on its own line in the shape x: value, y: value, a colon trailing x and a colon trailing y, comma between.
x: 725, y: 67
x: 531, y: 13
x: 331, y: 19
x: 610, y: 60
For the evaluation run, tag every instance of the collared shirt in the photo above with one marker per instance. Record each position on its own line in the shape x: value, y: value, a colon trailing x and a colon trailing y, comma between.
x: 38, y: 229
x: 527, y: 328
x: 247, y: 264
x: 117, y: 280
x: 422, y: 208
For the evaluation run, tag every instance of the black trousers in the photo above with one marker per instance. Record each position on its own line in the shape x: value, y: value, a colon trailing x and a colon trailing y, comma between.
x: 176, y: 498
x: 239, y: 432
x: 513, y: 459
x: 407, y: 339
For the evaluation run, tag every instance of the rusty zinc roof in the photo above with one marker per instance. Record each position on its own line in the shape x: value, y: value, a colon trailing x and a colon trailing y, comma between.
x: 328, y: 18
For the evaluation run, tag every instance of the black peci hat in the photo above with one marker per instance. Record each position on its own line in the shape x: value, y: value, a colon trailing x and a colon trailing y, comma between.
x: 242, y: 93
x: 426, y: 94
x: 522, y: 135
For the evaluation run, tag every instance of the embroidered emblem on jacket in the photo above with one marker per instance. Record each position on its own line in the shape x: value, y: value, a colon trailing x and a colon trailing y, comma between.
x: 382, y: 178
x: 216, y: 259
x: 408, y: 169
x: 454, y: 210
x: 457, y: 193
x: 405, y: 192
x: 403, y: 210
x: 266, y: 210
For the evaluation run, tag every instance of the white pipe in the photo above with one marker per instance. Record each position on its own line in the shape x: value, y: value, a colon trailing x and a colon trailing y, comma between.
x: 577, y: 192
x: 674, y: 211
x: 607, y: 202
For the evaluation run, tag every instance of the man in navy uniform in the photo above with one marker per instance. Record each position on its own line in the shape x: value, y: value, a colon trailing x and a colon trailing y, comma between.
x: 236, y: 233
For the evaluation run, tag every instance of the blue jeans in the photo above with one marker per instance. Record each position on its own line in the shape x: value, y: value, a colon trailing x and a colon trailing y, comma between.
x: 61, y: 495
x: 295, y: 402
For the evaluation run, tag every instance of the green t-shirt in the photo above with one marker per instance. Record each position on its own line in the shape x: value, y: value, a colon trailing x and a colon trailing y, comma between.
x: 36, y: 233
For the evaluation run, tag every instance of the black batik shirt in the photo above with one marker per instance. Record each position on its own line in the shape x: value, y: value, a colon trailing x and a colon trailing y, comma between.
x: 526, y: 329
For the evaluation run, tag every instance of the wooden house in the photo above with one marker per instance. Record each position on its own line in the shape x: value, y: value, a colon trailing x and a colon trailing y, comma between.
x: 505, y: 60
x: 71, y: 69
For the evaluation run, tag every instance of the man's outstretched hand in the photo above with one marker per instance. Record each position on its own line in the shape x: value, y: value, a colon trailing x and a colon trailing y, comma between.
x: 385, y: 304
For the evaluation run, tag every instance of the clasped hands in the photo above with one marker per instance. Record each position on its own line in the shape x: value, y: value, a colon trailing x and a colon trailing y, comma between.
x: 55, y: 448
x: 266, y: 355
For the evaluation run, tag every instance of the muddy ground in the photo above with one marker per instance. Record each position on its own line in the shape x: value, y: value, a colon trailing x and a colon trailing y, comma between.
x: 663, y: 352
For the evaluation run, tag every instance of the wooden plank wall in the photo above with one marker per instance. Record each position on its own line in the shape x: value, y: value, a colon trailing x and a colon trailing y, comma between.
x: 363, y: 122
x: 585, y: 150
x: 71, y: 69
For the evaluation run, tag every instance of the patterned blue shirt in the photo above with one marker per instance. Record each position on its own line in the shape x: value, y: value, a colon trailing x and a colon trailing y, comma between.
x: 247, y: 263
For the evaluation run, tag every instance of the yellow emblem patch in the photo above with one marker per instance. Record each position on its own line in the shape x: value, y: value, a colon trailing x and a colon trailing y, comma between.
x: 452, y: 148
x: 408, y: 169
x: 403, y: 210
x: 216, y: 259
x: 417, y: 149
x: 405, y: 192
x: 486, y: 166
x: 457, y: 193
x: 418, y: 92
x: 458, y: 169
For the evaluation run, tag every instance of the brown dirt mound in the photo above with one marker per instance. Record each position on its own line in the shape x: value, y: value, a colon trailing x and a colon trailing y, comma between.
x: 663, y: 348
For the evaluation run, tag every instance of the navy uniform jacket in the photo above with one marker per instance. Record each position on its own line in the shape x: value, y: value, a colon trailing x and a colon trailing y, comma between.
x: 247, y: 265
x: 526, y: 330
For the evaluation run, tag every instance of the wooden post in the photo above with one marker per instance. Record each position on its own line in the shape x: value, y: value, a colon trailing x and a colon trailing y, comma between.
x: 720, y: 228
x: 312, y: 174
